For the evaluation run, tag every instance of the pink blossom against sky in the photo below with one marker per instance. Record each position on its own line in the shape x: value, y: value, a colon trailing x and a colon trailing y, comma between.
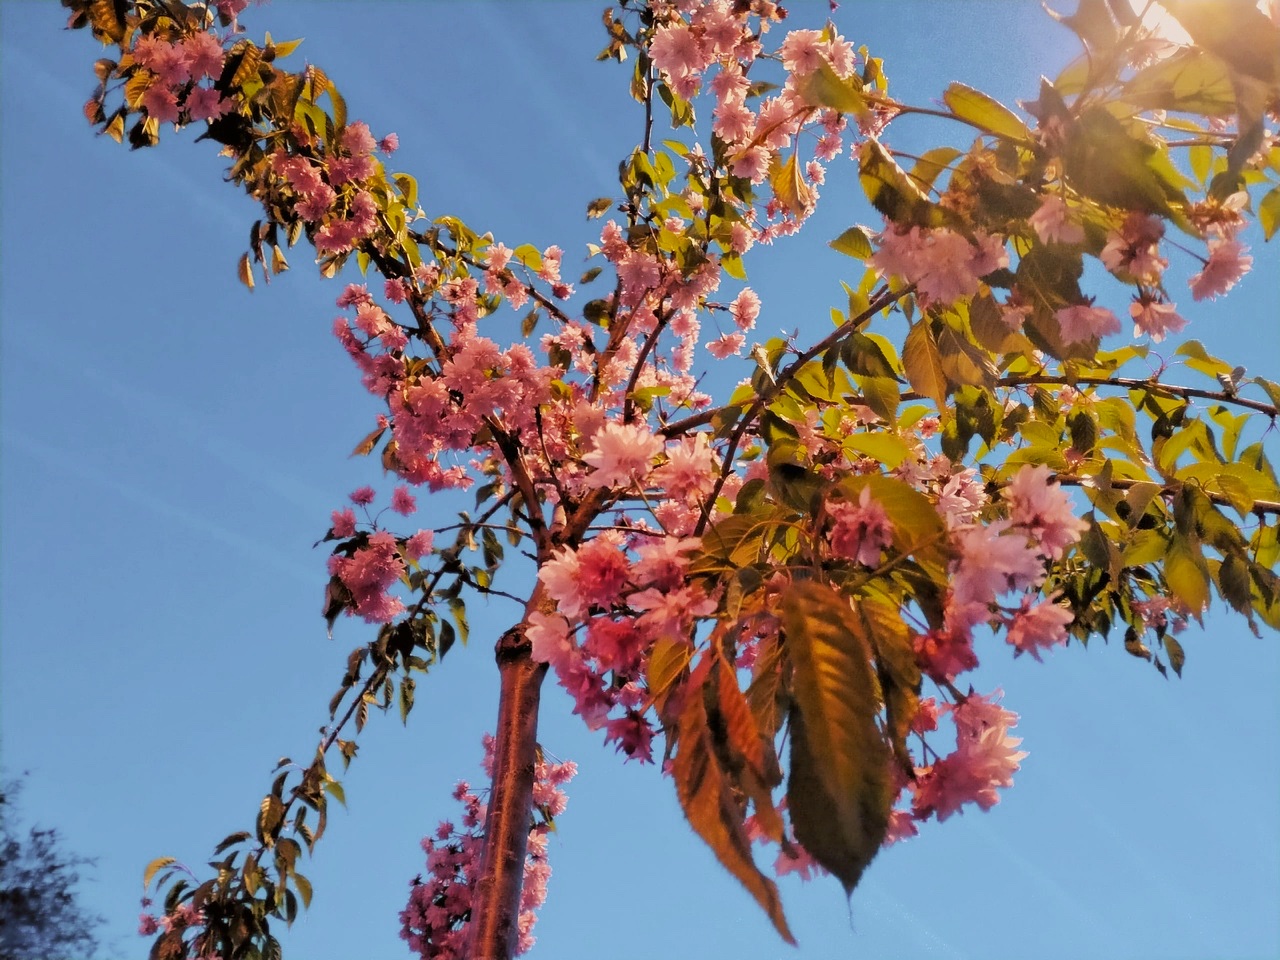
x: 207, y: 441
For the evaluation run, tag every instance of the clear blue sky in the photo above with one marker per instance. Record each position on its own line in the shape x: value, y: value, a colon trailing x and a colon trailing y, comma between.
x: 172, y: 447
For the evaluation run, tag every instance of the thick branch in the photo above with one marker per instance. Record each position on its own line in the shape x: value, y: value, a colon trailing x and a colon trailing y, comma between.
x: 495, y: 909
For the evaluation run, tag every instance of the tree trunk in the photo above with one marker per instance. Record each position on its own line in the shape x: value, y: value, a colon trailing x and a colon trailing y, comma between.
x: 495, y: 907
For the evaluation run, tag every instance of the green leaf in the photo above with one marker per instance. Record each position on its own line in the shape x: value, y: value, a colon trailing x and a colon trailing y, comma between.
x: 839, y: 792
x: 1269, y: 213
x: 987, y: 113
x: 406, y: 695
x: 1185, y: 573
x: 823, y: 87
x: 789, y: 186
x: 889, y: 188
x: 1190, y: 81
x: 889, y: 449
x: 923, y: 364
x: 710, y: 804
x: 854, y: 242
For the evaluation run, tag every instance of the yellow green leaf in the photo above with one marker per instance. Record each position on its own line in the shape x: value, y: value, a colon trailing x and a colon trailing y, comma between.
x: 985, y: 112
x: 1185, y: 572
x: 789, y: 187
x: 154, y: 867
x: 923, y: 364
x: 823, y: 87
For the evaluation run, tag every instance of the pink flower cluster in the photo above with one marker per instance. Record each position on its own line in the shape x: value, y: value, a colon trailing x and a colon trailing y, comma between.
x: 943, y: 264
x: 985, y: 759
x: 330, y: 191
x: 364, y: 566
x: 621, y: 594
x: 178, y: 69
x: 434, y: 921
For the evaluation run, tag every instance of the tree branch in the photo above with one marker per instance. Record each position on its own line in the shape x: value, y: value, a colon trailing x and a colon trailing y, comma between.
x: 495, y: 910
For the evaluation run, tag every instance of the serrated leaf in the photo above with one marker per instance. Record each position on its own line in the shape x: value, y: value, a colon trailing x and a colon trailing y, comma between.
x: 823, y: 87
x: 365, y: 446
x: 1184, y: 571
x: 1234, y: 582
x: 707, y: 798
x: 839, y: 793
x: 231, y: 841
x: 854, y: 242
x: 789, y: 187
x: 270, y: 816
x: 889, y: 188
x: 985, y: 112
x: 923, y: 364
x: 896, y: 666
x: 406, y: 697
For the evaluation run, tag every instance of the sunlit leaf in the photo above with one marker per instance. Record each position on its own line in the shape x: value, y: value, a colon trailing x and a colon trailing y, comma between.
x: 923, y: 364
x: 839, y: 792
x: 985, y: 112
x: 706, y: 795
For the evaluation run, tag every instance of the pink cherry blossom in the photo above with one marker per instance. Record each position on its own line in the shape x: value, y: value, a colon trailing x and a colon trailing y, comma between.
x: 343, y: 523
x: 1227, y: 263
x: 991, y: 563
x: 1053, y: 224
x: 160, y: 103
x: 1039, y: 626
x: 801, y: 51
x: 622, y: 455
x: 745, y: 308
x: 728, y: 345
x: 204, y: 55
x: 1083, y: 321
x: 549, y: 637
x: 402, y: 501
x: 205, y: 103
x: 1044, y: 510
x: 368, y: 573
x: 676, y: 52
x: 1154, y: 318
x: 861, y: 531
x: 362, y: 496
x: 943, y: 264
x: 419, y: 545
x: 389, y: 144
x: 1133, y: 250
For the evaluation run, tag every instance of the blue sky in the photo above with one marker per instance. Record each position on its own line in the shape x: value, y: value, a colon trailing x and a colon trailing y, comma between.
x: 172, y: 447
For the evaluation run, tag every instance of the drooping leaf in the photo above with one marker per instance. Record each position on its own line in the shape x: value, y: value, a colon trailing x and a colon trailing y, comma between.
x: 707, y: 798
x: 839, y: 793
x: 889, y: 188
x: 789, y: 186
x: 923, y: 364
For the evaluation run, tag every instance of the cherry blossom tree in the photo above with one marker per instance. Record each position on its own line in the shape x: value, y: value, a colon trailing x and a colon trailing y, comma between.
x: 774, y: 594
